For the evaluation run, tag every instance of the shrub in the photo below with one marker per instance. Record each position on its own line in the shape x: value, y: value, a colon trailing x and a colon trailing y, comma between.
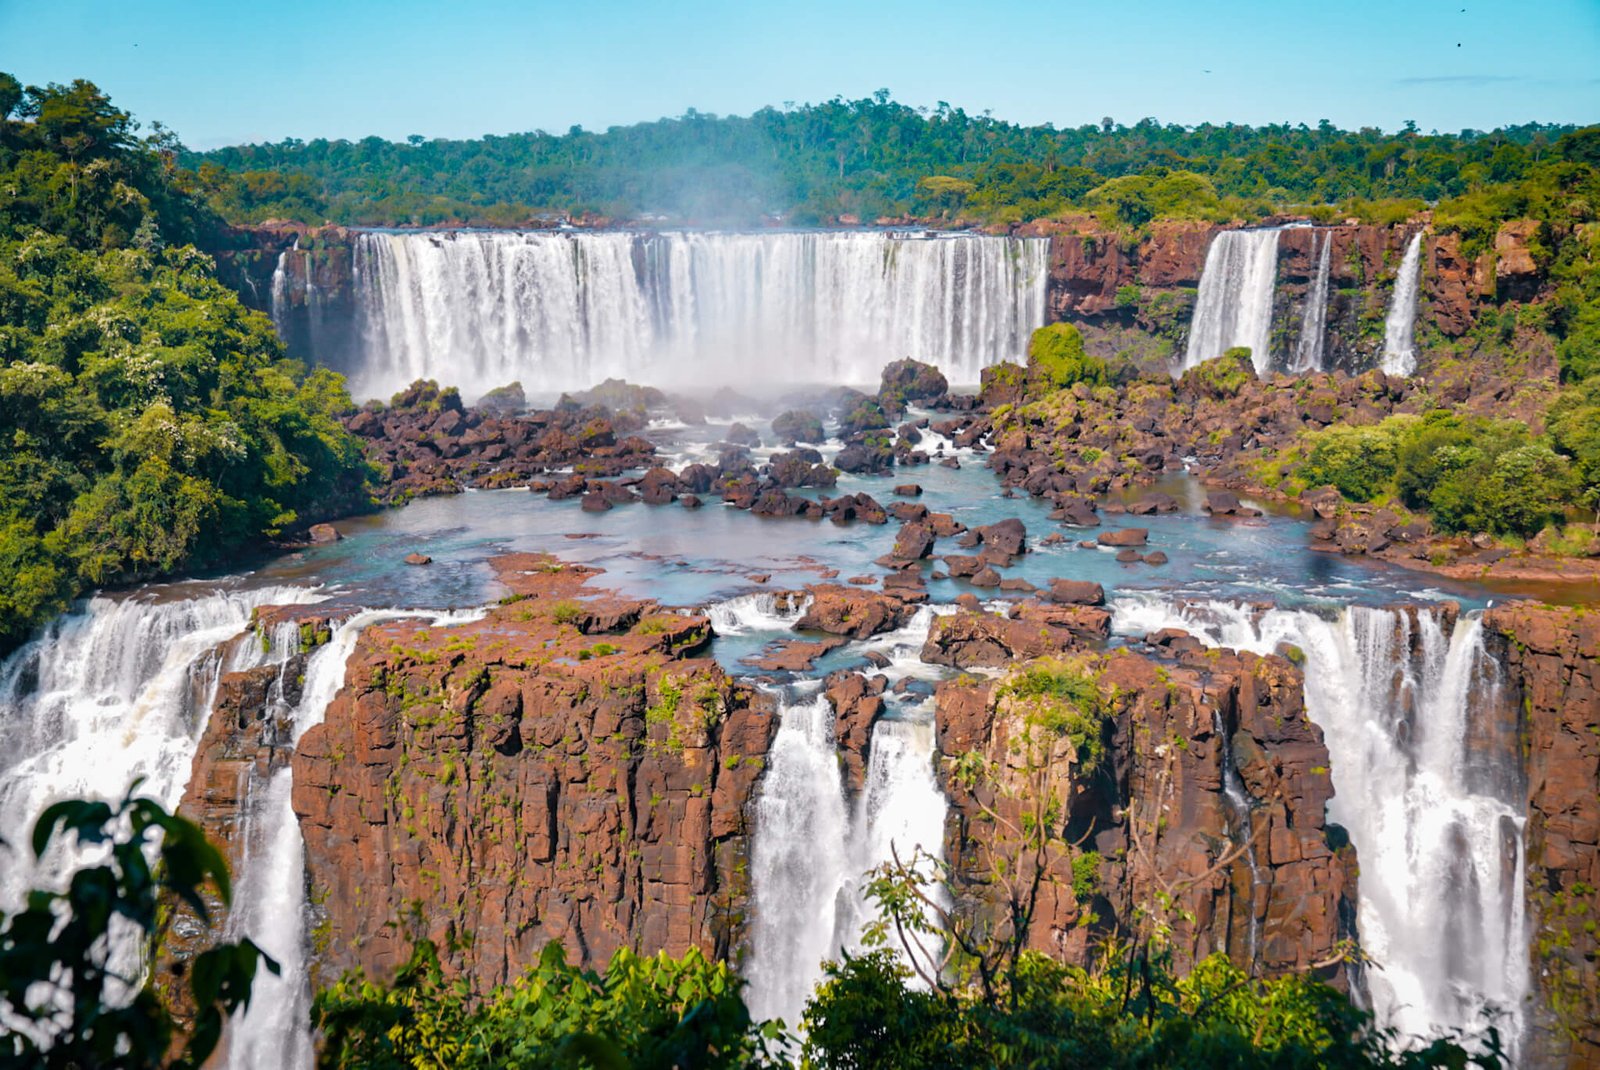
x: 1360, y: 461
x: 1220, y: 377
x: 1056, y: 358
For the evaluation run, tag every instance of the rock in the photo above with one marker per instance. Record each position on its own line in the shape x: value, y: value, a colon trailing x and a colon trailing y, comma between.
x: 908, y: 490
x: 1292, y: 893
x: 906, y: 381
x: 986, y: 577
x: 853, y: 613
x: 740, y: 435
x: 689, y: 501
x: 913, y: 543
x: 974, y: 639
x: 1546, y: 710
x: 1154, y: 503
x: 1124, y: 537
x: 322, y: 534
x: 1008, y: 536
x: 864, y: 460
x: 1222, y: 503
x: 794, y: 655
x: 1155, y: 557
x: 418, y: 559
x: 1077, y: 592
x: 798, y: 425
x: 857, y: 703
x: 633, y: 751
x: 1129, y: 557
x: 595, y: 502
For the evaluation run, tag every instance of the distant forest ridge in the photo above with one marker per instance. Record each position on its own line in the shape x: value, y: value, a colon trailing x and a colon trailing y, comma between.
x: 861, y: 160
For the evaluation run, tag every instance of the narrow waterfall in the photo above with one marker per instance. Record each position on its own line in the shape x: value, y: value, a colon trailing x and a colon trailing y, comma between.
x: 811, y: 850
x: 274, y: 1033
x: 1400, y: 328
x: 1234, y: 305
x: 280, y: 289
x: 559, y: 310
x: 797, y: 862
x: 1438, y: 827
x: 1314, y: 321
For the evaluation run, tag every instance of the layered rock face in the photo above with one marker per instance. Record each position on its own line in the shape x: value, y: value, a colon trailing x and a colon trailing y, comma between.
x: 1551, y: 658
x: 561, y: 770
x: 1135, y: 298
x: 1199, y: 787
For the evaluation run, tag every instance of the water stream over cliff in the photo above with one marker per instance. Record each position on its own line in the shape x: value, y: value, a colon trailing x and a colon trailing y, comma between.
x: 1313, y: 339
x: 1234, y: 305
x: 814, y: 847
x: 1408, y: 707
x: 1400, y: 326
x: 562, y: 310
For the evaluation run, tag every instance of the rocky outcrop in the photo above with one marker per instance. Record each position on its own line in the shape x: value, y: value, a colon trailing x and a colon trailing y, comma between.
x: 1551, y: 660
x: 1134, y: 770
x: 565, y: 769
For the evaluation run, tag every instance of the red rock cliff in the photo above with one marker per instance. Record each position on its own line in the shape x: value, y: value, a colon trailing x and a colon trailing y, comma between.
x: 1551, y: 658
x: 565, y: 769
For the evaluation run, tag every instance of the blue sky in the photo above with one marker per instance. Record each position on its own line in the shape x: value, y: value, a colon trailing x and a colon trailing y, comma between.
x: 223, y: 72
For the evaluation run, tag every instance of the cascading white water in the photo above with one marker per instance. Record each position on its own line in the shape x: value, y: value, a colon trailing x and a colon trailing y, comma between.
x: 1400, y: 327
x: 797, y: 860
x: 280, y: 289
x: 1439, y: 841
x: 1234, y: 305
x: 1314, y: 321
x: 559, y: 310
x: 811, y: 848
x: 108, y: 694
x: 274, y: 1033
x: 758, y: 612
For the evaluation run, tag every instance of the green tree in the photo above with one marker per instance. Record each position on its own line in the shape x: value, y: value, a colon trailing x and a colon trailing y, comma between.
x: 59, y: 985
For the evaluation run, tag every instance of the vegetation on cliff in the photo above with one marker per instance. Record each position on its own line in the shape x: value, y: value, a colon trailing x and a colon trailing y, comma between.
x: 148, y: 420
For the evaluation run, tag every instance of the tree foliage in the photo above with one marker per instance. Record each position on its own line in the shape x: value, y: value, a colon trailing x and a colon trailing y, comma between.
x: 872, y: 157
x: 63, y: 1000
x: 148, y: 420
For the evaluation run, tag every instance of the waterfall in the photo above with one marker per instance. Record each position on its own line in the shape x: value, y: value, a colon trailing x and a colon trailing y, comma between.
x: 811, y: 850
x: 797, y: 860
x: 559, y: 310
x: 114, y: 691
x: 274, y: 1033
x: 1234, y: 305
x: 1400, y: 328
x: 1314, y: 321
x: 280, y: 291
x: 759, y: 612
x: 1438, y: 827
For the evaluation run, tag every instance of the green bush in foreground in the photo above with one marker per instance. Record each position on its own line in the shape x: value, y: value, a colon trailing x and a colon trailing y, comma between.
x: 1056, y: 358
x: 58, y: 970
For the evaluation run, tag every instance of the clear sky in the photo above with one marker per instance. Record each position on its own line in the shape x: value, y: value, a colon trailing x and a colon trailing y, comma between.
x: 227, y: 71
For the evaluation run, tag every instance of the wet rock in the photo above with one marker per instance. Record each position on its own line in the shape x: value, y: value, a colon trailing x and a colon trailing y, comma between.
x: 740, y: 435
x: 798, y: 425
x: 908, y: 490
x: 1155, y: 557
x: 321, y: 534
x: 1124, y: 537
x: 1008, y: 536
x: 1154, y: 503
x: 854, y: 613
x: 1077, y: 592
x: 418, y: 559
x: 1129, y: 557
